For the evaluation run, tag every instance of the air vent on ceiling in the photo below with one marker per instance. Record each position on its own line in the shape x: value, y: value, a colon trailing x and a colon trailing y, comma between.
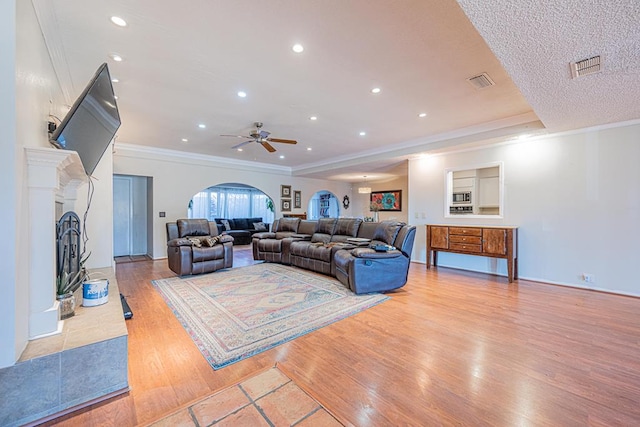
x: 481, y: 81
x: 585, y: 67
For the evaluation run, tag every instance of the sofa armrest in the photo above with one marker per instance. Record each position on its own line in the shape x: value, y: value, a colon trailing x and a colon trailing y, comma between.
x: 301, y: 236
x: 372, y: 254
x: 225, y: 238
x: 264, y: 235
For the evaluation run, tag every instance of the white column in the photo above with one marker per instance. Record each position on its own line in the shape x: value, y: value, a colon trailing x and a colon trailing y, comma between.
x: 50, y: 171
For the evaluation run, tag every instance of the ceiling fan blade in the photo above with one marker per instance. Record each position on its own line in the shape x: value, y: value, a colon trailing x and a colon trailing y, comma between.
x: 268, y: 146
x: 241, y: 144
x: 238, y: 136
x: 285, y: 141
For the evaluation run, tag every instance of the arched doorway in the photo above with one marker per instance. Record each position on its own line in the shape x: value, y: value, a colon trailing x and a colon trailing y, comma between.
x: 231, y: 200
x: 323, y: 204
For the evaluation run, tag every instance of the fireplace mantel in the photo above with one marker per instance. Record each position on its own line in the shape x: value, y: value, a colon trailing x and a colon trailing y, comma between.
x: 53, y: 176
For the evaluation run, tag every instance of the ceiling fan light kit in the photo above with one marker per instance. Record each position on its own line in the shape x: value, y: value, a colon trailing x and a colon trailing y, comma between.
x: 261, y: 137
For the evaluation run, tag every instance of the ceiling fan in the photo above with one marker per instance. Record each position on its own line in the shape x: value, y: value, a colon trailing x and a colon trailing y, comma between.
x: 261, y: 137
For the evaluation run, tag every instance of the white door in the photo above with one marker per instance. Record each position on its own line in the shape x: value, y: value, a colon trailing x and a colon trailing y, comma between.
x: 122, y: 218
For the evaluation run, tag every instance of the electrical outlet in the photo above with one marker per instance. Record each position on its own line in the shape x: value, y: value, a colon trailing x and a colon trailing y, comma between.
x: 588, y: 277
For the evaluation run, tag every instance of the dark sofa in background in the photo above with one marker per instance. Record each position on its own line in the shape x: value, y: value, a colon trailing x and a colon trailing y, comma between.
x: 241, y: 229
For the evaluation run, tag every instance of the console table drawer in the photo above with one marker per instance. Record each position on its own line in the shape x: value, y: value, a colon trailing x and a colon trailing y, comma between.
x: 465, y: 247
x: 466, y: 231
x: 474, y: 240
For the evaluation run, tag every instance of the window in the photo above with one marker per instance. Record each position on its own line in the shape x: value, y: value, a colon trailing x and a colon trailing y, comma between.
x: 230, y: 201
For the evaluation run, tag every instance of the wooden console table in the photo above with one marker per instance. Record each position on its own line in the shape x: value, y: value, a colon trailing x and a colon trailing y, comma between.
x: 495, y: 242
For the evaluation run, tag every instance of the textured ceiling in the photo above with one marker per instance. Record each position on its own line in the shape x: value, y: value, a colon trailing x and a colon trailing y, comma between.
x: 183, y: 64
x: 536, y: 40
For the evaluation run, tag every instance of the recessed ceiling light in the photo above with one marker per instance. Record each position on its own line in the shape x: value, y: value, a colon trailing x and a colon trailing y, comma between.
x: 118, y: 21
x: 375, y: 90
x: 297, y: 48
x: 202, y: 126
x: 116, y: 57
x: 422, y: 115
x: 363, y: 133
x: 239, y: 149
x: 114, y: 80
x: 309, y: 148
x: 282, y: 157
x: 185, y: 140
x: 313, y: 118
x: 242, y: 94
x: 524, y: 136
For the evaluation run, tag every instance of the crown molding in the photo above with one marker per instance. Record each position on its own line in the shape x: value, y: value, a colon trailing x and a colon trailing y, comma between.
x: 497, y: 129
x: 142, y: 151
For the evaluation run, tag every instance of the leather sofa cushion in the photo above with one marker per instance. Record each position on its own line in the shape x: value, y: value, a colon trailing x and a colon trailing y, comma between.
x: 193, y: 227
x: 239, y: 224
x: 288, y: 224
x: 310, y: 251
x: 270, y: 245
x: 207, y: 254
x: 347, y: 226
x: 284, y: 234
x: 320, y: 237
x: 326, y: 225
x: 387, y: 231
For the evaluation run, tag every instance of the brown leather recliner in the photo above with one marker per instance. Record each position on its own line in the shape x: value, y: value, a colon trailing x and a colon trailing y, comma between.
x: 195, y: 247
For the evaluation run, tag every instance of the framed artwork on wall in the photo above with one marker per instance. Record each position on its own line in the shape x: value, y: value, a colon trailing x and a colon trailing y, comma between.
x: 387, y: 200
x: 285, y: 205
x: 297, y: 199
x: 285, y: 191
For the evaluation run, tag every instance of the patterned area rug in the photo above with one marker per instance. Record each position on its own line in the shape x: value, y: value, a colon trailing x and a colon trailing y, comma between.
x: 234, y: 314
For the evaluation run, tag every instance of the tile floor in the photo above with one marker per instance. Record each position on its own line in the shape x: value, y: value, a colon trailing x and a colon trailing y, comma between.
x: 266, y: 399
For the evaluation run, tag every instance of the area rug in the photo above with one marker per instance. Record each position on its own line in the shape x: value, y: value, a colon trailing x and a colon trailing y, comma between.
x: 237, y: 313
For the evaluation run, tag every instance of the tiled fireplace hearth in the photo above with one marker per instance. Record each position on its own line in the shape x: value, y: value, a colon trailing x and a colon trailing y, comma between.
x: 67, y: 364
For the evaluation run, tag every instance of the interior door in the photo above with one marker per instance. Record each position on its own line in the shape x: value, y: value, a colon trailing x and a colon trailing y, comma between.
x: 122, y: 215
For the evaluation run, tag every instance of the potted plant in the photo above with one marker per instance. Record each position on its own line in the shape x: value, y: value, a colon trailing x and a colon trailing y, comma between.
x: 66, y: 284
x: 270, y: 205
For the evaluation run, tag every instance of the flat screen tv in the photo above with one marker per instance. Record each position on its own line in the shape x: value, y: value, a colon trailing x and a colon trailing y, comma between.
x: 91, y: 123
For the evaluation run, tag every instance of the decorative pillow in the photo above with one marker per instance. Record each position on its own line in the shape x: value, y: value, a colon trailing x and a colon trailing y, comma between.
x: 210, y: 241
x: 260, y: 226
x: 226, y: 224
x: 180, y: 242
x: 195, y: 241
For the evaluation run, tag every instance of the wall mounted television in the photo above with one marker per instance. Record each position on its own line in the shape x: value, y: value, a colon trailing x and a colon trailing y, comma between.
x: 92, y: 121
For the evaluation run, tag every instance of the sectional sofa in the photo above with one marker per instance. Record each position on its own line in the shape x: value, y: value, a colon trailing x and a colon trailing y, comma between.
x: 342, y: 248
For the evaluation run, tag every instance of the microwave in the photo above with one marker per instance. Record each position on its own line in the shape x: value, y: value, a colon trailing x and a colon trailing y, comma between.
x: 462, y: 197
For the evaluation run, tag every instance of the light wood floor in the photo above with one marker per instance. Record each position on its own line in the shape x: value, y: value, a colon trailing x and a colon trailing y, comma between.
x: 450, y: 348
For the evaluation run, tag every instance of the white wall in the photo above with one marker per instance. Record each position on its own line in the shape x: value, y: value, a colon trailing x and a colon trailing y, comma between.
x: 360, y: 202
x: 574, y: 197
x: 25, y: 110
x: 12, y: 337
x: 178, y: 176
x: 99, y: 222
